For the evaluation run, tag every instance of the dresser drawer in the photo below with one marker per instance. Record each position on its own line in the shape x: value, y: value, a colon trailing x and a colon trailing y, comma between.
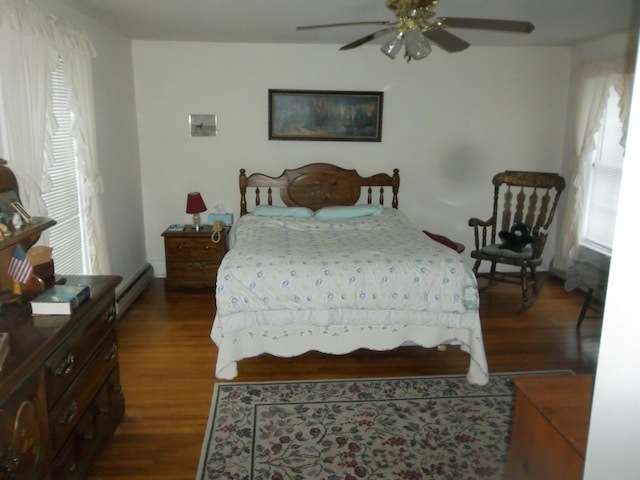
x: 186, y: 248
x: 96, y: 424
x: 67, y: 464
x: 108, y: 406
x: 74, y: 402
x: 62, y: 367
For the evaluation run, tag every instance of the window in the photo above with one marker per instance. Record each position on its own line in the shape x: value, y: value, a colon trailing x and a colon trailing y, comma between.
x: 603, y: 180
x: 64, y: 200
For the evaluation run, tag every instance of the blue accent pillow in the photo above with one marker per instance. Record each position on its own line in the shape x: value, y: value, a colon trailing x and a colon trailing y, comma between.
x: 273, y: 211
x: 346, y: 212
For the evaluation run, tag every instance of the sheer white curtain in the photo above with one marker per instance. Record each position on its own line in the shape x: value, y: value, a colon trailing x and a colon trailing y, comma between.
x: 595, y: 78
x: 26, y: 62
x: 32, y: 43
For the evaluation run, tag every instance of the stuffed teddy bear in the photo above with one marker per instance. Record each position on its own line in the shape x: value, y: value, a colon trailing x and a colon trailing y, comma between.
x: 517, y: 238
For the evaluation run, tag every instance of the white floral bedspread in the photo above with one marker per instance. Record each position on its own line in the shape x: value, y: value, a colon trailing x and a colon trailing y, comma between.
x: 378, y: 262
x: 289, y: 286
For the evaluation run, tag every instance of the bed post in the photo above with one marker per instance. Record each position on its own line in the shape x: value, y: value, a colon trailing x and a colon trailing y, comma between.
x: 243, y: 191
x: 395, y: 187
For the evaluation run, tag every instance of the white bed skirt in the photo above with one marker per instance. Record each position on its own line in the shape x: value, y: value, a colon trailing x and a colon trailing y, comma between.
x: 293, y: 340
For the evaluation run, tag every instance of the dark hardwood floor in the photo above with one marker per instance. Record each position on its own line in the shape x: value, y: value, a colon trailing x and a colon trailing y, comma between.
x: 167, y: 368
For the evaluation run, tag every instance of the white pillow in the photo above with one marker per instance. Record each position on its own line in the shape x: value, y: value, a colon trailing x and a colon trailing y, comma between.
x: 274, y: 211
x: 349, y: 211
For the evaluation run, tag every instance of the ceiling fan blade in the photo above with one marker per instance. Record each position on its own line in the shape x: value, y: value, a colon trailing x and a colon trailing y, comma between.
x: 446, y: 40
x: 367, y: 38
x: 348, y: 24
x: 488, y: 24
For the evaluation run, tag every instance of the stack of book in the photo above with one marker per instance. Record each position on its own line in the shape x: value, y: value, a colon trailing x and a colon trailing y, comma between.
x: 60, y: 300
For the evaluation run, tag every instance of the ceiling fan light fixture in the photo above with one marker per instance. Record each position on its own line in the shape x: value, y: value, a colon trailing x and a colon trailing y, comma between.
x: 418, y: 47
x: 393, y: 46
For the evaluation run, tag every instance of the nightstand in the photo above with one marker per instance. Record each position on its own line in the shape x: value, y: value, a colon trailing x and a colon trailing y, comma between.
x: 192, y: 257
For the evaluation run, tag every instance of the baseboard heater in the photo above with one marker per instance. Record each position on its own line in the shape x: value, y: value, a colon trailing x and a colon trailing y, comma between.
x: 132, y: 290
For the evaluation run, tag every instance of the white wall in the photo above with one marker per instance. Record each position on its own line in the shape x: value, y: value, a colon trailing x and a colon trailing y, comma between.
x: 449, y: 123
x: 117, y: 140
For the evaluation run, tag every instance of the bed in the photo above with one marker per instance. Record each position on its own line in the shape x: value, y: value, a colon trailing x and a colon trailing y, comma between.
x: 330, y: 268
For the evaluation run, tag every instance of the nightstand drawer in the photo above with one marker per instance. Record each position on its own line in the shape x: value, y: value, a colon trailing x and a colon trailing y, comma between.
x: 194, y: 248
x: 193, y: 268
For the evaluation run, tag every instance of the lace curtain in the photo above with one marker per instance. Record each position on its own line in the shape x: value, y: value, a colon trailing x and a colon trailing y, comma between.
x: 594, y: 80
x: 32, y: 43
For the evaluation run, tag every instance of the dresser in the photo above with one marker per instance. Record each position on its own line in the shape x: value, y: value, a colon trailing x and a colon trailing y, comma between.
x: 192, y: 257
x: 550, y: 426
x: 60, y: 393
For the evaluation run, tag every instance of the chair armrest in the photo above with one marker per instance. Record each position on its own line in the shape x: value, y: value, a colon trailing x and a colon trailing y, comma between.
x: 480, y: 228
x: 474, y: 222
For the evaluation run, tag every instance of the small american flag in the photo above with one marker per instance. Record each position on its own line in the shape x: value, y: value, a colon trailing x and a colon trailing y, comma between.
x: 19, y: 267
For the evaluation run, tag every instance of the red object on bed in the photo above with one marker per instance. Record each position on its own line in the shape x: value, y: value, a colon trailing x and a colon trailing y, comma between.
x: 441, y: 239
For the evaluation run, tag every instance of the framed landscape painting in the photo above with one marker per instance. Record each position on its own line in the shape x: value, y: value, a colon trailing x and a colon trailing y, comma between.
x: 325, y: 115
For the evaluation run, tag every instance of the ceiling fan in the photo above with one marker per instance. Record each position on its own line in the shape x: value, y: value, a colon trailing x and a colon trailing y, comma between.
x: 416, y: 23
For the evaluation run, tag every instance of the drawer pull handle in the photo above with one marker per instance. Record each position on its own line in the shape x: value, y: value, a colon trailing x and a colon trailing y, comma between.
x: 112, y: 354
x: 110, y: 315
x: 180, y: 248
x: 69, y: 414
x: 10, y: 461
x: 195, y: 266
x: 66, y: 367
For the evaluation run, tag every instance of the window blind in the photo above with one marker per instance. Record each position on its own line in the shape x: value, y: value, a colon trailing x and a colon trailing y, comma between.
x: 604, y: 179
x: 63, y: 200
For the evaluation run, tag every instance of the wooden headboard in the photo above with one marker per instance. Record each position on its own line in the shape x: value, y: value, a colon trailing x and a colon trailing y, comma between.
x: 318, y: 185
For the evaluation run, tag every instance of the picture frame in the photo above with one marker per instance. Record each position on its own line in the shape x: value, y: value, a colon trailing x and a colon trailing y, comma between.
x: 17, y: 206
x: 325, y: 115
x: 201, y: 125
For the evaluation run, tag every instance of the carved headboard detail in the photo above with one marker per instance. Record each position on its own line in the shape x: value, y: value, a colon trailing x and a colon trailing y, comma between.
x: 318, y: 185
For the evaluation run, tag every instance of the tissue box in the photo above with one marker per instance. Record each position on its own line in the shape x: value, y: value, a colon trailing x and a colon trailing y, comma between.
x: 226, y: 218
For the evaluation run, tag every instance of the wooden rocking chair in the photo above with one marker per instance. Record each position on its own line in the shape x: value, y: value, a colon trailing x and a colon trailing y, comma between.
x: 519, y: 197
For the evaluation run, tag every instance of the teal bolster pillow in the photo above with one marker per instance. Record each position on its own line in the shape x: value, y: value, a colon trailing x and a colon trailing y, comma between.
x: 273, y: 211
x: 351, y: 211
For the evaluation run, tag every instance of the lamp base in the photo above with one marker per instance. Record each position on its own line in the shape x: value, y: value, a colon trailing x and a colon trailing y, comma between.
x: 196, y: 222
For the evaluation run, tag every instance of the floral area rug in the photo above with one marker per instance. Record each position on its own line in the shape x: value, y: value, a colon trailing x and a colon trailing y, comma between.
x: 407, y: 428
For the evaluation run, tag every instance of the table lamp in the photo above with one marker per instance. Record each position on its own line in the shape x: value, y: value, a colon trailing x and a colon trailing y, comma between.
x: 195, y: 205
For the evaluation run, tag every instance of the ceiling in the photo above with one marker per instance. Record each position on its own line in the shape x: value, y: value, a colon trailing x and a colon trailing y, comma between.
x: 557, y: 22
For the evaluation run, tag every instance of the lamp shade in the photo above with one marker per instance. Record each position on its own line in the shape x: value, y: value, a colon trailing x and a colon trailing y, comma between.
x: 195, y: 203
x: 417, y: 44
x: 393, y: 46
